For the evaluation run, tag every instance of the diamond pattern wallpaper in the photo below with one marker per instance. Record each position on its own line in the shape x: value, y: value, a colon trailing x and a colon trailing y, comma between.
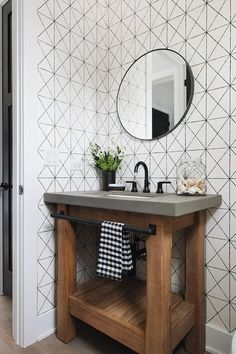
x: 87, y: 46
x: 204, y: 32
x: 73, y: 71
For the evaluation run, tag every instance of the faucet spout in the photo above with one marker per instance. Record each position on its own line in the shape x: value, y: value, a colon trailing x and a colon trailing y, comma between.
x: 146, y: 179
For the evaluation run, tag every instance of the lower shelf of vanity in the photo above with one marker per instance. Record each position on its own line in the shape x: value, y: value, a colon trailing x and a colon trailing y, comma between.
x: 118, y: 309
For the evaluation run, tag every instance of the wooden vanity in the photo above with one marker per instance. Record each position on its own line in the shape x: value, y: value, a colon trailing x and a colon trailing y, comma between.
x: 145, y: 316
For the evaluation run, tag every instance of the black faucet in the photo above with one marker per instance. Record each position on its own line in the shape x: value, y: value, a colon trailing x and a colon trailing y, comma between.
x: 146, y: 180
x: 159, y: 186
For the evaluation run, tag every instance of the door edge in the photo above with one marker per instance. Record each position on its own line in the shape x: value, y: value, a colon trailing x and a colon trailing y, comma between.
x: 17, y: 215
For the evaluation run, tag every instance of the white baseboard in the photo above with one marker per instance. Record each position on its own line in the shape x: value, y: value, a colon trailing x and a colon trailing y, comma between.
x: 46, y: 324
x: 218, y: 341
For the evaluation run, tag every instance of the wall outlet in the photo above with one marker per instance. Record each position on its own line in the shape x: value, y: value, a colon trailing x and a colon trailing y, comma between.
x: 76, y: 165
x: 52, y: 157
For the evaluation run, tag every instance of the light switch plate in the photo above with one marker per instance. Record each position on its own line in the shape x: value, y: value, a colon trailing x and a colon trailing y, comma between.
x: 52, y: 158
x: 76, y: 165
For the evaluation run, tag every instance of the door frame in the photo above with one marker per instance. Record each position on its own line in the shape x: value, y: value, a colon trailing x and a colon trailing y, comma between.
x: 18, y: 323
x: 2, y: 2
x: 17, y: 217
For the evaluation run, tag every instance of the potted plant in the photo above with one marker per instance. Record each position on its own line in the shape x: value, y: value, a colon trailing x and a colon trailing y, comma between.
x: 108, y: 161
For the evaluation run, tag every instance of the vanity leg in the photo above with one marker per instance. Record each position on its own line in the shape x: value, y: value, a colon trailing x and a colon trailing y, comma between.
x: 195, y: 283
x: 158, y: 323
x: 66, y: 277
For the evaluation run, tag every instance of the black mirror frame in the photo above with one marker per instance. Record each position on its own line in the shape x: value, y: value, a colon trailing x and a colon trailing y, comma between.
x: 188, y: 105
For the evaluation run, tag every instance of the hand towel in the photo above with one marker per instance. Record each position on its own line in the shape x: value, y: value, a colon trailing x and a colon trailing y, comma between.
x: 114, y: 254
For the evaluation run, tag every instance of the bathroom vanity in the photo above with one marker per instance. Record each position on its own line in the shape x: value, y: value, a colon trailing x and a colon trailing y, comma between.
x: 145, y: 316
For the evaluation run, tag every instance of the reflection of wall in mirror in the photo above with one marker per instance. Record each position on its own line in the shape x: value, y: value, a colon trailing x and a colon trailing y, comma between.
x: 132, y: 100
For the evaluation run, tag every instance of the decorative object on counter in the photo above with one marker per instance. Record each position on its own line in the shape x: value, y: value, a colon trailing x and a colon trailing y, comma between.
x: 108, y: 177
x: 116, y: 187
x: 107, y: 161
x: 191, y: 177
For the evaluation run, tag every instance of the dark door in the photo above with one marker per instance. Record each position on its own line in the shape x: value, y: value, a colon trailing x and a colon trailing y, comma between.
x: 160, y: 123
x: 6, y: 186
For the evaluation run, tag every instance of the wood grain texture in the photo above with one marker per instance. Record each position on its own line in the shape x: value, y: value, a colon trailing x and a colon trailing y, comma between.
x: 89, y: 340
x: 195, y: 282
x: 147, y: 326
x: 118, y: 309
x: 182, y: 222
x: 114, y: 308
x: 66, y: 277
x: 133, y: 219
x: 159, y: 255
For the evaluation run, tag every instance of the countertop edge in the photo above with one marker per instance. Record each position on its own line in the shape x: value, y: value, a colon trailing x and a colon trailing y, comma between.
x: 166, y: 209
x: 192, y: 210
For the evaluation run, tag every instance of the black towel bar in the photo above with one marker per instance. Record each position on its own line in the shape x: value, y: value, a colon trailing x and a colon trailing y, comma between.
x: 150, y: 231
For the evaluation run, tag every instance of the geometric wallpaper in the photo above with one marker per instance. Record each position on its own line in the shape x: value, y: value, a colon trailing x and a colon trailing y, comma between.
x: 87, y: 47
x: 72, y: 70
x: 204, y: 32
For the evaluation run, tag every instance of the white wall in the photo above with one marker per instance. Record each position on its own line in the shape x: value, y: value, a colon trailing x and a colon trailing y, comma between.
x: 72, y: 69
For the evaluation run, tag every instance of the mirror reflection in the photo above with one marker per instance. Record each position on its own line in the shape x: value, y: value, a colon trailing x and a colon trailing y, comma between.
x: 155, y: 94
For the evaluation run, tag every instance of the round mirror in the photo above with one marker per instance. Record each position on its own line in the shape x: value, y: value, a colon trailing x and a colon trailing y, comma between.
x: 155, y: 94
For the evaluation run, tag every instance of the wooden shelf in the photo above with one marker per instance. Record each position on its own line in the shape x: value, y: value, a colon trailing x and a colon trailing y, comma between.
x: 118, y: 309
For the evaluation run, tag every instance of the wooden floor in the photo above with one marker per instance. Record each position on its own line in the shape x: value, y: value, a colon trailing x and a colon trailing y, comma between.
x: 89, y: 341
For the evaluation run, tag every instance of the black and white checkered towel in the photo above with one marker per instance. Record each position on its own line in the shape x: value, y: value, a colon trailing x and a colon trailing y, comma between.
x: 114, y: 254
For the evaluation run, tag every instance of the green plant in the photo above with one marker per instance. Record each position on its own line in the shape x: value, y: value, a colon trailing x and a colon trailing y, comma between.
x: 107, y: 160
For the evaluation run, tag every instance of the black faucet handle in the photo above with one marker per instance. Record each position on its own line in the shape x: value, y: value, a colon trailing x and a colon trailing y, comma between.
x: 134, y: 186
x: 146, y: 187
x: 160, y: 186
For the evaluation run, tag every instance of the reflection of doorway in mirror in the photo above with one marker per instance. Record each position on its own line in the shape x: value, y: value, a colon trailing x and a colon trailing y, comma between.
x: 169, y: 78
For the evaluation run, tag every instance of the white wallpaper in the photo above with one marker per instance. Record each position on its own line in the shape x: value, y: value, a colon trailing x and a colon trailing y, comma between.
x: 86, y: 49
x: 73, y: 71
x: 204, y: 32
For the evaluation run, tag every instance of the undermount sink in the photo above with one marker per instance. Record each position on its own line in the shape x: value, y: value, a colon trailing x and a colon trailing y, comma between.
x: 126, y: 196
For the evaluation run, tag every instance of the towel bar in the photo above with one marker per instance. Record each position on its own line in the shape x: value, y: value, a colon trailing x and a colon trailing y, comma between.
x: 150, y: 231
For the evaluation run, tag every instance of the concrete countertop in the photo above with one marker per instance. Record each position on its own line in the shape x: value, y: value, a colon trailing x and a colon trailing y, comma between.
x: 151, y: 203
